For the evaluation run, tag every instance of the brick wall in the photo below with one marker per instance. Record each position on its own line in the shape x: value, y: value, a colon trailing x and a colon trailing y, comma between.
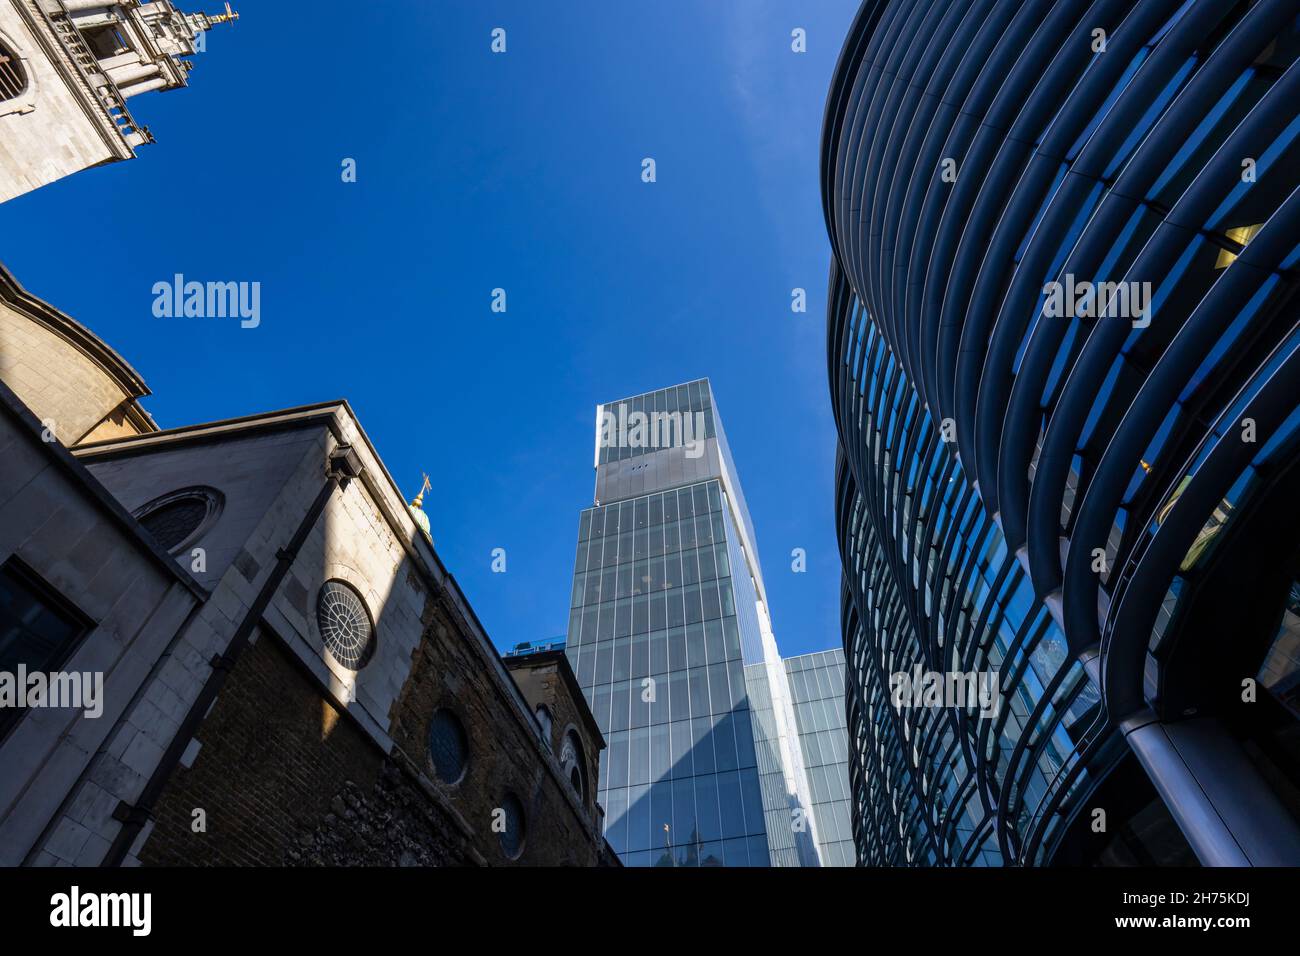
x: 272, y: 754
x: 542, y: 680
x: 285, y: 778
x: 504, y: 758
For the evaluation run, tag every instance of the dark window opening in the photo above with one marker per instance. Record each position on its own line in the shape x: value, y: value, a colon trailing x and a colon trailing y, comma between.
x: 1280, y: 672
x: 174, y: 522
x: 512, y: 827
x: 180, y: 517
x: 1140, y: 831
x: 448, y: 747
x: 573, y: 762
x: 104, y: 42
x: 38, y: 628
x: 13, y: 78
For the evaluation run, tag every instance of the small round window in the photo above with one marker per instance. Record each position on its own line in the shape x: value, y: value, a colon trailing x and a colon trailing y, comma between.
x: 511, y: 826
x: 345, y: 625
x: 180, y: 517
x: 448, y: 747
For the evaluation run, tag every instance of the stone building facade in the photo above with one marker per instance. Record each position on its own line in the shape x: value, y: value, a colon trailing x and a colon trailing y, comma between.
x: 67, y: 71
x: 290, y: 674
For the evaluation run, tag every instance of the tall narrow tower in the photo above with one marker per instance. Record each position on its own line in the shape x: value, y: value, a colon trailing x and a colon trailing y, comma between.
x: 67, y: 69
x: 671, y: 639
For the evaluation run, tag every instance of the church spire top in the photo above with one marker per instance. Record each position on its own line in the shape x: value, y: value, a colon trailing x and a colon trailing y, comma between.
x: 416, y: 508
x: 228, y: 17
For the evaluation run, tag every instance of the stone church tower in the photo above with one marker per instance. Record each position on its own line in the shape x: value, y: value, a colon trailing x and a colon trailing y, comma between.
x: 67, y: 71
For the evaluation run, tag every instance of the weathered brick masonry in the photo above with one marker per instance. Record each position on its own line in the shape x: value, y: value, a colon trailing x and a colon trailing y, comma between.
x: 285, y: 777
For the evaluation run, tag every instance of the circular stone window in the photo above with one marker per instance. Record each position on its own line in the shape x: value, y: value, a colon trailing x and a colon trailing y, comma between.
x: 511, y: 828
x: 345, y: 625
x: 448, y: 747
x: 180, y: 518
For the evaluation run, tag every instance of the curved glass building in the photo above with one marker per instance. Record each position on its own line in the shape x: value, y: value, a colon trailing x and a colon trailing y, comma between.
x: 1065, y: 366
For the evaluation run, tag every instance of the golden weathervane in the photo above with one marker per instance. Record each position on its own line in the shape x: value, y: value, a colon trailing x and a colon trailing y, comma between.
x: 226, y: 17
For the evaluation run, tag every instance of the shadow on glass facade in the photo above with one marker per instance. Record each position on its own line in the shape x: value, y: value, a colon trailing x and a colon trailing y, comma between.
x: 1063, y: 351
x: 670, y: 641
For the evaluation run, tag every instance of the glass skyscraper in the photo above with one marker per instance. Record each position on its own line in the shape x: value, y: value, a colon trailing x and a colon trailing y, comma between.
x: 817, y: 693
x: 671, y: 640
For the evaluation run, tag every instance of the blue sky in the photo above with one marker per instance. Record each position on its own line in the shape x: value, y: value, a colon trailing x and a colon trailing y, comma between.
x: 476, y: 171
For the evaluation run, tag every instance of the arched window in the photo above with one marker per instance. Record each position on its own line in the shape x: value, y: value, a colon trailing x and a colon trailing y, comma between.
x: 574, y: 764
x: 544, y: 719
x: 13, y: 78
x: 180, y: 518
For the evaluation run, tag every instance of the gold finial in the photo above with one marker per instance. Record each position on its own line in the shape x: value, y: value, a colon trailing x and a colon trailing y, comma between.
x: 418, y: 500
x: 226, y: 17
